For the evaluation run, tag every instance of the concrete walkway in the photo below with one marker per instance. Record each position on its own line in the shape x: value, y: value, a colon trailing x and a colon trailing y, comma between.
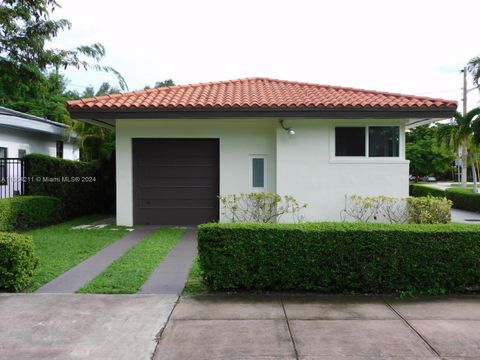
x: 466, y: 217
x: 172, y: 273
x: 321, y: 327
x: 79, y: 275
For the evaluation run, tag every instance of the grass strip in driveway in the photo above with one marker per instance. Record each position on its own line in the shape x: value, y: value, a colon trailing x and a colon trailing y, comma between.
x: 60, y: 248
x: 127, y: 274
x: 195, y: 284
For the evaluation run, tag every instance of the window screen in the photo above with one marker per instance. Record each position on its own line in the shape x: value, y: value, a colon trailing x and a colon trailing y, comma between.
x: 383, y: 141
x: 22, y: 153
x: 258, y: 172
x: 349, y: 141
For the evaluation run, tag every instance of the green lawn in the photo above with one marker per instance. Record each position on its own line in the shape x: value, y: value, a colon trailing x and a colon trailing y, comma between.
x: 60, y: 248
x: 127, y: 274
x: 195, y: 284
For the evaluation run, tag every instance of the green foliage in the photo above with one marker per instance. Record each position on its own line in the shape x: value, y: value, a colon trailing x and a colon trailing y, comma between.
x: 26, y: 27
x: 429, y: 210
x: 340, y: 257
x: 418, y: 190
x: 159, y: 84
x: 127, y: 274
x: 17, y: 261
x: 75, y: 183
x: 259, y: 207
x: 60, y: 247
x: 195, y: 283
x: 464, y: 199
x: 24, y: 212
x: 426, y: 156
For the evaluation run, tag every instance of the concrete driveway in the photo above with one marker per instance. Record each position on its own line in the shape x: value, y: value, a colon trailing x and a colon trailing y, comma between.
x: 61, y: 326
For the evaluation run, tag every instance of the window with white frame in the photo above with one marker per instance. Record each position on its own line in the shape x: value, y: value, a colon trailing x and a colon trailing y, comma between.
x: 258, y: 172
x: 367, y: 141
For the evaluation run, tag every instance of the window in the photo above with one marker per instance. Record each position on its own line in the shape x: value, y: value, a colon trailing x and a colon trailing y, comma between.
x: 3, y: 166
x: 258, y: 172
x: 60, y: 149
x: 350, y: 141
x: 22, y: 153
x: 383, y: 141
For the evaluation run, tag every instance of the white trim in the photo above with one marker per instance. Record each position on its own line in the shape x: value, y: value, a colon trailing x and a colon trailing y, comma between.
x: 258, y: 189
x: 367, y: 159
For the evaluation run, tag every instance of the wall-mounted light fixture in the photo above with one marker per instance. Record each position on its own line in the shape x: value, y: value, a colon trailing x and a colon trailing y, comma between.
x: 287, y: 129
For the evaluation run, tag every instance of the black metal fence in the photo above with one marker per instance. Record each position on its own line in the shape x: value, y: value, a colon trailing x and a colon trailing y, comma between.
x: 13, y: 181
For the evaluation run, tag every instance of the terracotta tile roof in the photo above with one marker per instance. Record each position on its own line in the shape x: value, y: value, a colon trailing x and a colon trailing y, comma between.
x: 258, y: 93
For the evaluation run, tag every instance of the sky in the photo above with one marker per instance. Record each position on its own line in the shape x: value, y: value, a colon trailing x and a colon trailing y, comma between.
x: 411, y: 46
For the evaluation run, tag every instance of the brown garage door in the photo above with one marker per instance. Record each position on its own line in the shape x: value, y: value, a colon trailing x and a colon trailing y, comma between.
x: 175, y: 181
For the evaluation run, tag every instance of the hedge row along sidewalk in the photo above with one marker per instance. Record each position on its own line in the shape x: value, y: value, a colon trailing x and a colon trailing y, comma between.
x: 462, y: 198
x: 341, y: 257
x: 127, y: 274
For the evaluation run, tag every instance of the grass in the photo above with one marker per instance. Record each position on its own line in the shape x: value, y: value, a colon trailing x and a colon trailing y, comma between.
x: 127, y: 274
x: 60, y: 248
x: 195, y: 284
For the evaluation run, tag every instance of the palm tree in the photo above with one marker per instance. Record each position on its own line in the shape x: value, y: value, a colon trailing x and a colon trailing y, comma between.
x: 473, y: 67
x: 460, y: 136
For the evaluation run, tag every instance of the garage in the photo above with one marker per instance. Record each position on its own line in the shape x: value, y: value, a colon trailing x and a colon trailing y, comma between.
x: 175, y: 181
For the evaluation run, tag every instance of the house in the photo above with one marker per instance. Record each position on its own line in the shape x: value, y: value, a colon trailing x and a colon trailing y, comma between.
x: 22, y: 134
x: 179, y: 147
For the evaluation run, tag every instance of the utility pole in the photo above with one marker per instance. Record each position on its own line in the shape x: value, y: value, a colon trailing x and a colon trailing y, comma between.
x: 464, y: 90
x: 465, y: 154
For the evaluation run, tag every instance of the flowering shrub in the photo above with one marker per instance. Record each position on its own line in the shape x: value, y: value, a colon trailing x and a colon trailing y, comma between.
x: 418, y: 210
x: 259, y: 207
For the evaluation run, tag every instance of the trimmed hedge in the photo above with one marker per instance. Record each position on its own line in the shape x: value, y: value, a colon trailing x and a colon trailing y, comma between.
x: 17, y: 261
x: 24, y: 212
x: 418, y: 190
x: 340, y: 257
x: 464, y: 198
x: 73, y: 182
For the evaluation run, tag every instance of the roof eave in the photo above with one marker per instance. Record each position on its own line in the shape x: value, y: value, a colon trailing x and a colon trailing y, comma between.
x: 340, y: 113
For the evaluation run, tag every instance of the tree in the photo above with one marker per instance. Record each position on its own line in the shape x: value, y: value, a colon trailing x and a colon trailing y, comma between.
x: 425, y: 155
x: 26, y: 65
x: 460, y: 137
x: 159, y: 84
x: 25, y: 27
x: 473, y: 68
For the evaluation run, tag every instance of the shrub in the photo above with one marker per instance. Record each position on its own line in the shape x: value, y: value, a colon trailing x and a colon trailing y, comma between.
x: 259, y: 207
x: 17, y: 260
x: 24, y: 212
x: 340, y: 257
x: 429, y: 210
x: 418, y: 190
x: 421, y: 210
x: 368, y: 209
x: 75, y: 183
x: 464, y: 199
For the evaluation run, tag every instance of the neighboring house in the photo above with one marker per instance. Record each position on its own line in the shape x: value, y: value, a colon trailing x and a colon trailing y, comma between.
x: 22, y: 134
x: 179, y: 147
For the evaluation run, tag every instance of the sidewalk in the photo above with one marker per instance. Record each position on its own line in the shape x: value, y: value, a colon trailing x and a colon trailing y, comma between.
x: 321, y: 327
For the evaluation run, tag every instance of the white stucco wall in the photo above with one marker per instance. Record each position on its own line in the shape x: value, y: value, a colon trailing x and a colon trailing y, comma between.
x: 238, y: 138
x: 308, y: 170
x: 302, y: 165
x: 35, y: 142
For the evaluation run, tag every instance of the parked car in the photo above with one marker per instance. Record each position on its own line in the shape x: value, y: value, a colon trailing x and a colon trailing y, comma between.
x: 430, y: 178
